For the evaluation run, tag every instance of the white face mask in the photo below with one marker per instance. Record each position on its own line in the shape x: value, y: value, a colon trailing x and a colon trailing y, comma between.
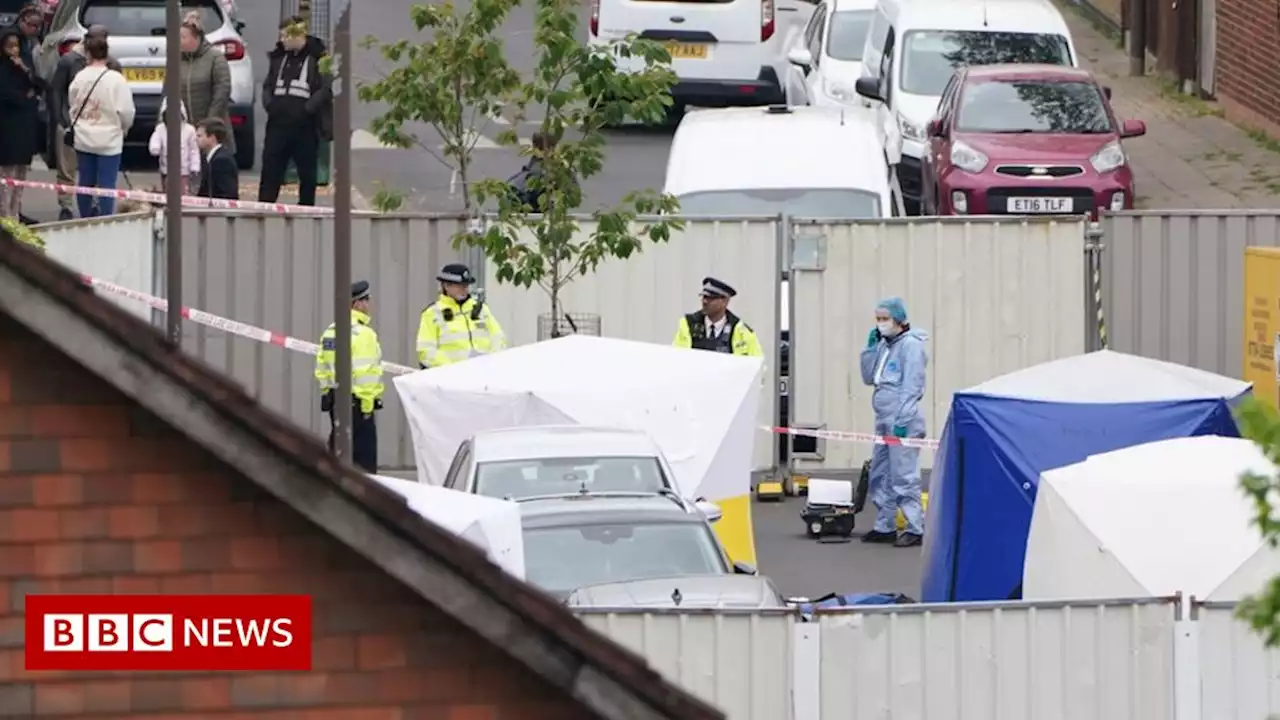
x: 885, y: 328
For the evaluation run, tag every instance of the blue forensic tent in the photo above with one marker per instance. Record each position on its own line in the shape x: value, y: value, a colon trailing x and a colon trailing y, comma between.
x: 1002, y: 434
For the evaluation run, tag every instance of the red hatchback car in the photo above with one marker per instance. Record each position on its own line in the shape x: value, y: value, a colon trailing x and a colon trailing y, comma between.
x: 1023, y: 140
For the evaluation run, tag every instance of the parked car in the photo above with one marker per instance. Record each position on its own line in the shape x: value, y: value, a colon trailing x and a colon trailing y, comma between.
x: 913, y: 48
x: 573, y: 541
x: 724, y: 52
x: 1027, y: 139
x: 826, y: 58
x: 136, y: 30
x: 711, y: 592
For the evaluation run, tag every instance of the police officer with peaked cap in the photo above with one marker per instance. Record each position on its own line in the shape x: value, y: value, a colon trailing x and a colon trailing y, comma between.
x: 366, y: 379
x: 713, y: 327
x: 458, y: 325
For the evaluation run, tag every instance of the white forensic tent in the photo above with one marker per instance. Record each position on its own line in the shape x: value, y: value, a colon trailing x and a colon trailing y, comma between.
x: 491, y: 524
x: 699, y: 407
x: 1150, y: 520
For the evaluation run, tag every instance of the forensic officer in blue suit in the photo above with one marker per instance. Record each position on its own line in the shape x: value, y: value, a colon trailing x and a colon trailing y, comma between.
x: 894, y: 362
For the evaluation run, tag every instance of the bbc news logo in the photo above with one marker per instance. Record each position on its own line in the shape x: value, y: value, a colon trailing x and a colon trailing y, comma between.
x: 168, y: 632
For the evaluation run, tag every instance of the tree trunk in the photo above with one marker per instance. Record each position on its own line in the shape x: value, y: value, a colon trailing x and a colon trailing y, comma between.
x: 555, y: 300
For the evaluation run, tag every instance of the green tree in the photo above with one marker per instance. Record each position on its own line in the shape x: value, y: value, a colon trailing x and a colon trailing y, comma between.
x: 453, y: 82
x: 575, y: 92
x: 1260, y: 422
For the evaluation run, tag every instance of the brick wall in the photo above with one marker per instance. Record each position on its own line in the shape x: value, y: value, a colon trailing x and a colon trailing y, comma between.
x: 99, y: 496
x: 1247, y: 74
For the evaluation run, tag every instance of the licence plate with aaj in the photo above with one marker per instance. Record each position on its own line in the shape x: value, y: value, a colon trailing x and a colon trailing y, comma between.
x: 144, y: 74
x: 1040, y: 205
x: 688, y: 51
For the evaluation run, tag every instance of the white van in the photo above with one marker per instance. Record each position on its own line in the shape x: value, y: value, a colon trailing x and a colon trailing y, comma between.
x: 724, y: 52
x: 914, y: 47
x: 826, y: 54
x: 813, y: 162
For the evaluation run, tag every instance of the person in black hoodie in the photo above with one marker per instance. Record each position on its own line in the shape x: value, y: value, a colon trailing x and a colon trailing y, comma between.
x: 298, y: 100
x: 19, y: 119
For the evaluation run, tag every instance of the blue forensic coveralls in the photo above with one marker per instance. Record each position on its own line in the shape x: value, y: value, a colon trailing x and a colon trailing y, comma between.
x: 896, y: 367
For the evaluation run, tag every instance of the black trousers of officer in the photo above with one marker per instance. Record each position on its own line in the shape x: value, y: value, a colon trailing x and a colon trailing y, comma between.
x: 364, y: 437
x: 285, y: 141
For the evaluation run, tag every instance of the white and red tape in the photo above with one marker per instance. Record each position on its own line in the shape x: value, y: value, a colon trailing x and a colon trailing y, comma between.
x: 287, y: 342
x: 161, y: 199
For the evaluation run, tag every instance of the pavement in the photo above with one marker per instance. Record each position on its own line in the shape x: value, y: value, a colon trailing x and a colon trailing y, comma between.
x: 1190, y: 158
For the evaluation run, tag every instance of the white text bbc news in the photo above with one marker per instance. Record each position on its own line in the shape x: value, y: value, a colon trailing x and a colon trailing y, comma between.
x: 155, y: 633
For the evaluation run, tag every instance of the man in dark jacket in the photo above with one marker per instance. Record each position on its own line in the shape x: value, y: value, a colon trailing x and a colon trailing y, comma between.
x: 60, y: 110
x: 298, y: 99
x: 219, y: 173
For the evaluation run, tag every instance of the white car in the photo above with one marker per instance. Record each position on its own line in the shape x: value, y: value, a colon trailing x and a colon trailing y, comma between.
x: 811, y: 162
x: 548, y: 461
x: 826, y: 58
x: 136, y: 34
x: 725, y: 52
x: 920, y: 43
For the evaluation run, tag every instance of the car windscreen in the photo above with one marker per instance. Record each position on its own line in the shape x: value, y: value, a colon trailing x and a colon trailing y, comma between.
x: 562, y: 559
x: 143, y: 17
x: 518, y: 479
x: 1033, y: 106
x: 848, y: 34
x: 800, y: 202
x: 930, y: 57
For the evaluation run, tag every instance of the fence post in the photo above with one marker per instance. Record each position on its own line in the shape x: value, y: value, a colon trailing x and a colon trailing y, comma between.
x: 1186, y: 660
x: 806, y: 668
x: 1095, y: 317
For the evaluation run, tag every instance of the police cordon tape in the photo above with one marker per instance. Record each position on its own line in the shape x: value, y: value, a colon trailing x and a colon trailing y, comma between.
x: 161, y: 199
x: 287, y: 342
x: 227, y: 325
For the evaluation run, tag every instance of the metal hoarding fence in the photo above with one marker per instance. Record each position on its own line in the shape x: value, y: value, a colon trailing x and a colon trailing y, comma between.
x: 118, y: 248
x: 644, y: 296
x: 994, y: 296
x: 1236, y: 671
x: 1172, y: 283
x: 276, y: 272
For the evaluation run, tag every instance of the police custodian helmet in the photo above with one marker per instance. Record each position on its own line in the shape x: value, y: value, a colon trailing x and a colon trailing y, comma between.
x: 456, y: 273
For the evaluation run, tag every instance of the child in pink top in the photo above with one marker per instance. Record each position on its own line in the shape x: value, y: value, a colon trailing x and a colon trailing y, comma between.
x: 190, y: 148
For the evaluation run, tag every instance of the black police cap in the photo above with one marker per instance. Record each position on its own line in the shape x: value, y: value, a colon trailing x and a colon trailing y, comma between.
x: 717, y: 288
x: 456, y: 273
x: 359, y: 290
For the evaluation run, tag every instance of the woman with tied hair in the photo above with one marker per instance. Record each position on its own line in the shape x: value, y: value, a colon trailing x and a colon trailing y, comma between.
x: 206, y: 77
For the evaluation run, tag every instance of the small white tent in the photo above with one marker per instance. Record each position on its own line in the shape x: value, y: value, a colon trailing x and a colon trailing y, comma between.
x: 1150, y: 521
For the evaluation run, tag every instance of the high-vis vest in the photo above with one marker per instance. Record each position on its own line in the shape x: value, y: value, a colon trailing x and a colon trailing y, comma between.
x: 366, y: 362
x: 450, y: 333
x: 299, y: 87
x: 736, y: 338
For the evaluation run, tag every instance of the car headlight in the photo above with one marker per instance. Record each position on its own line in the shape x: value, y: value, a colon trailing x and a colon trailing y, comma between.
x: 840, y: 92
x: 966, y: 158
x: 1108, y: 158
x: 910, y: 131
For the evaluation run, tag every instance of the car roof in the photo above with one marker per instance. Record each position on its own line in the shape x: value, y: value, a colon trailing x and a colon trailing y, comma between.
x: 602, y: 508
x: 845, y: 5
x: 560, y: 441
x: 977, y: 15
x: 753, y: 149
x: 718, y: 591
x: 1020, y: 71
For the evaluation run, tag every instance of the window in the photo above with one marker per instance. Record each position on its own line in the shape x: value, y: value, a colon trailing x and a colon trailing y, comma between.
x: 948, y: 97
x: 813, y: 35
x: 879, y: 31
x: 847, y: 36
x: 565, y: 476
x: 618, y: 552
x: 799, y: 202
x: 456, y: 478
x: 886, y: 68
x: 143, y: 17
x: 930, y: 57
x: 1034, y: 107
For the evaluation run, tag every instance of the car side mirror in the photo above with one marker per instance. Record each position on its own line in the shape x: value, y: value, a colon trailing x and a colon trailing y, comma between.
x: 1133, y: 128
x: 742, y: 568
x: 709, y: 510
x: 239, y: 26
x: 936, y: 129
x: 868, y: 88
x: 1106, y: 91
x: 800, y: 57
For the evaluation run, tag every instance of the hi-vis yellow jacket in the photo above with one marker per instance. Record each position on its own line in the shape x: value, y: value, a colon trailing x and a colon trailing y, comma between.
x: 450, y: 333
x: 366, y: 362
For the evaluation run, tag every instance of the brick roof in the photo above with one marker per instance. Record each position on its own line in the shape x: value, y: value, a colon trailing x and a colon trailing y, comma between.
x: 293, y: 465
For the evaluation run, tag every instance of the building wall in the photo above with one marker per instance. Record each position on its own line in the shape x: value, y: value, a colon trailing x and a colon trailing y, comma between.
x: 1247, y: 78
x: 99, y: 496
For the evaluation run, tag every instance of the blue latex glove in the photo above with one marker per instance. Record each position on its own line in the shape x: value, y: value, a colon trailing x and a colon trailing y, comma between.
x: 873, y: 337
x: 900, y: 431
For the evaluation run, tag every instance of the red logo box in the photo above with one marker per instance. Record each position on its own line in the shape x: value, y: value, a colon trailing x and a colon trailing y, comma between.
x: 168, y: 632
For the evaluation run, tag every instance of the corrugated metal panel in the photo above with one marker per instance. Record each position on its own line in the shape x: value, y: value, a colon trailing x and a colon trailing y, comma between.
x: 1172, y: 283
x: 643, y: 297
x: 1239, y: 676
x: 1000, y: 660
x: 994, y: 296
x: 276, y: 272
x: 119, y: 249
x: 740, y: 662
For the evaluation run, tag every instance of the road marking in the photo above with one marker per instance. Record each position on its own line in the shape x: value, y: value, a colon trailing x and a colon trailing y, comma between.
x: 365, y: 140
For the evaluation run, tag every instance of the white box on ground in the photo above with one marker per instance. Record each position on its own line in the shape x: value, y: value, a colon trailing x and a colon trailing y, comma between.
x: 830, y: 492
